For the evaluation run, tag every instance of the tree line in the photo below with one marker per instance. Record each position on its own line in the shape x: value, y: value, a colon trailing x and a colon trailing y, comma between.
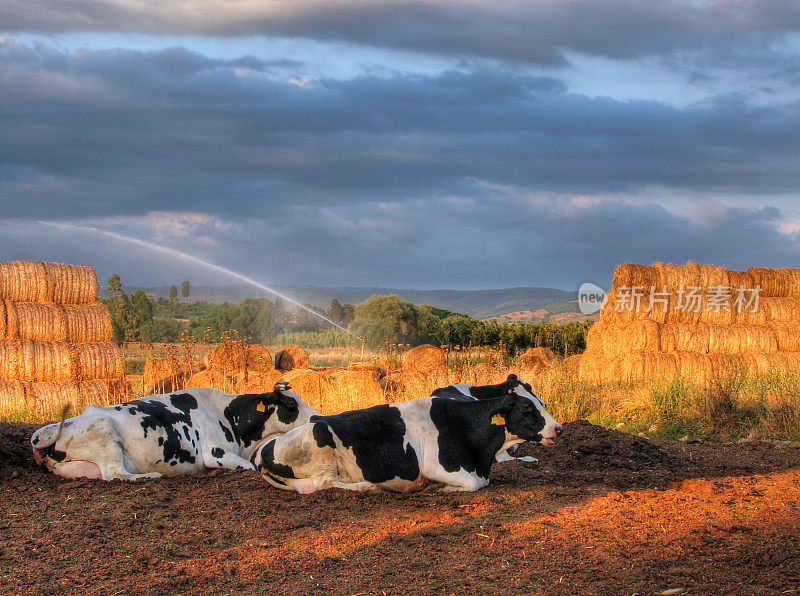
x: 378, y: 320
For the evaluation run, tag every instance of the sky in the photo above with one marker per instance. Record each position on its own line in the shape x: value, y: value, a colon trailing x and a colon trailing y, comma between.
x: 407, y: 144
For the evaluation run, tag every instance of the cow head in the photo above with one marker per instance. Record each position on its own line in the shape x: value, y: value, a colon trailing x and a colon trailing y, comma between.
x: 527, y: 418
x: 257, y: 416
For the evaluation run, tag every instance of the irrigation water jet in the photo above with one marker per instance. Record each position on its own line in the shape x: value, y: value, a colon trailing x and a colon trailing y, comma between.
x: 187, y: 257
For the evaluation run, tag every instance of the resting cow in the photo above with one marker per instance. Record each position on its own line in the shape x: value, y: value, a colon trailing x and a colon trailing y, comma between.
x: 513, y: 384
x: 179, y: 433
x: 404, y: 446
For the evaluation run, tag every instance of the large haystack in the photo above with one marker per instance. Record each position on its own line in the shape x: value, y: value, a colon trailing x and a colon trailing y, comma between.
x: 424, y: 358
x: 536, y: 360
x: 54, y: 339
x: 291, y: 357
x: 703, y: 323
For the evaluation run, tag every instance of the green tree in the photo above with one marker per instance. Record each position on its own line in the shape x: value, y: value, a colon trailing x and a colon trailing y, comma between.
x: 114, y: 285
x: 185, y: 289
x: 336, y: 312
x: 173, y: 293
x: 385, y: 318
x: 349, y: 314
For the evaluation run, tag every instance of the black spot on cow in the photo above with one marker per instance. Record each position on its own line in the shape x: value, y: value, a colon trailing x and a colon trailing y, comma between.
x: 217, y: 452
x: 376, y: 437
x: 54, y: 453
x: 118, y: 408
x: 272, y: 468
x: 186, y: 434
x: 228, y: 434
x: 451, y: 392
x: 35, y: 441
x: 322, y: 435
x: 158, y: 417
x: 469, y: 440
x: 492, y: 391
x: 249, y: 412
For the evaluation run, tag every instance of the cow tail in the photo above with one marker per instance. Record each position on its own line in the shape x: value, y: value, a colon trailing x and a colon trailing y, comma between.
x: 52, y: 441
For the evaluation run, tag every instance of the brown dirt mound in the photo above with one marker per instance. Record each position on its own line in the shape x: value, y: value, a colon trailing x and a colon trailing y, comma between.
x: 15, y: 448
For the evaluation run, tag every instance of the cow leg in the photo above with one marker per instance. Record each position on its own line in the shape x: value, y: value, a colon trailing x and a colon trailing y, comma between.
x: 101, y: 445
x: 458, y: 481
x: 216, y: 457
x: 76, y: 469
x: 504, y: 456
x: 358, y: 486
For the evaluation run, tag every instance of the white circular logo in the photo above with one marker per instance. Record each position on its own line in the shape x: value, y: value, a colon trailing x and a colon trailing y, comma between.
x: 591, y: 298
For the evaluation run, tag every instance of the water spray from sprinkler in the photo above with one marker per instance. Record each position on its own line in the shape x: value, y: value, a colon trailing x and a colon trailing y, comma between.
x: 199, y: 261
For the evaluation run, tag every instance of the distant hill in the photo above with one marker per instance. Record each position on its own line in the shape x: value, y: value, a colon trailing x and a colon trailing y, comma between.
x: 480, y: 304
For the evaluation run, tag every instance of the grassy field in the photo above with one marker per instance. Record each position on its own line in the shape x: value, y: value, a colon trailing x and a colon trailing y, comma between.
x: 733, y: 408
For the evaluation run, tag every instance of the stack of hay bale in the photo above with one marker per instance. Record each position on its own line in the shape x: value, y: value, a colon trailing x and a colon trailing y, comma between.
x: 55, y: 339
x: 714, y: 338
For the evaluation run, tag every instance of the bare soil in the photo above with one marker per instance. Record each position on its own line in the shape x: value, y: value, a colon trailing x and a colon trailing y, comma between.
x: 602, y: 513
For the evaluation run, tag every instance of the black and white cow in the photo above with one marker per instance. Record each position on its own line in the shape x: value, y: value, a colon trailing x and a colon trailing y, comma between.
x: 513, y: 384
x: 179, y: 433
x: 404, y: 446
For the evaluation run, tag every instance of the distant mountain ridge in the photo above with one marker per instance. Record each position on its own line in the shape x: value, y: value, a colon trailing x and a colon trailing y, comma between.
x: 480, y: 304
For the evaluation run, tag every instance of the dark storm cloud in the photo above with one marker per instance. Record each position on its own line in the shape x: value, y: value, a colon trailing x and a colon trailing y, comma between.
x: 91, y: 133
x: 508, y: 30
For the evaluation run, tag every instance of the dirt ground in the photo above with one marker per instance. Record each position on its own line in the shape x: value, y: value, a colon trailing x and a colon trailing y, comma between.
x: 602, y: 513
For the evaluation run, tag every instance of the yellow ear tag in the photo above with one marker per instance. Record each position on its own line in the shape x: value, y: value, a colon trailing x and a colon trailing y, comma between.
x: 498, y: 420
x: 261, y: 407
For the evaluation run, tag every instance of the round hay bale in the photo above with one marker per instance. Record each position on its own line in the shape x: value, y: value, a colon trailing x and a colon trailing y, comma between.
x: 291, y: 357
x: 104, y: 391
x: 99, y: 361
x: 331, y: 371
x: 787, y: 335
x: 792, y: 280
x: 49, y: 396
x: 9, y: 360
x: 633, y: 275
x: 598, y: 367
x: 71, y: 284
x: 424, y: 357
x: 536, y: 359
x: 353, y: 390
x: 724, y: 365
x: 773, y: 282
x: 258, y: 359
x: 724, y: 339
x: 713, y: 315
x: 779, y: 309
x: 712, y: 276
x: 212, y: 378
x: 156, y: 369
x: 756, y: 338
x: 740, y: 279
x: 674, y: 276
x: 684, y: 337
x: 792, y: 361
x: 35, y: 321
x: 23, y: 281
x: 756, y: 363
x: 693, y: 366
x: 311, y: 386
x: 375, y: 371
x: 88, y: 323
x: 12, y: 396
x: 46, y: 361
x: 404, y: 381
x: 571, y: 365
x: 256, y: 381
x: 228, y: 356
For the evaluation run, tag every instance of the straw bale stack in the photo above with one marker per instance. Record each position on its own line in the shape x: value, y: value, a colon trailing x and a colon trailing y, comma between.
x: 291, y: 357
x: 352, y: 389
x: 424, y: 358
x: 375, y: 371
x: 54, y: 337
x: 712, y: 341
